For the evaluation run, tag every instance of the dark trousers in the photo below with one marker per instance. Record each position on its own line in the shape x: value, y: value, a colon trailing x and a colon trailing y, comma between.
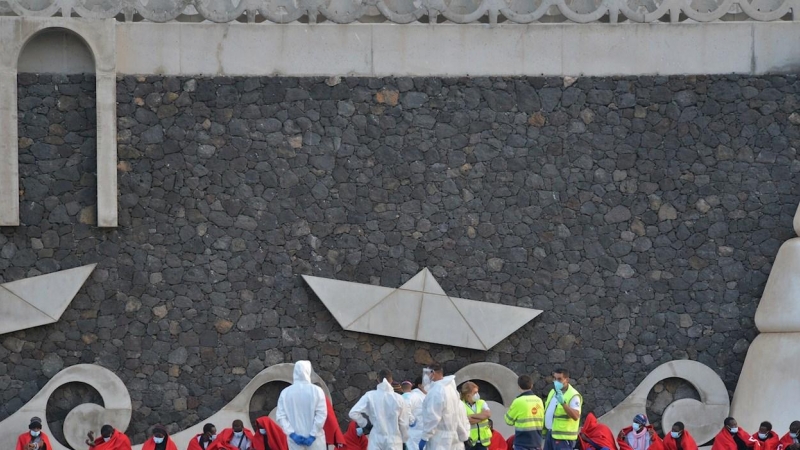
x: 477, y: 446
x: 552, y: 444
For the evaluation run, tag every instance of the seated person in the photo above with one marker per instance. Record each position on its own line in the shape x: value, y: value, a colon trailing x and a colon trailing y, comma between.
x: 768, y: 439
x: 203, y: 441
x: 791, y: 438
x: 110, y: 439
x: 34, y: 438
x: 237, y: 437
x: 679, y: 438
x: 595, y: 435
x: 269, y: 435
x: 732, y: 437
x: 639, y: 436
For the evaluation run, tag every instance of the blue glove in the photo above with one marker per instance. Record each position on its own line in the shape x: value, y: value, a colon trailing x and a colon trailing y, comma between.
x: 359, y: 431
x: 422, y: 444
x: 560, y: 397
x: 299, y: 440
x: 309, y: 440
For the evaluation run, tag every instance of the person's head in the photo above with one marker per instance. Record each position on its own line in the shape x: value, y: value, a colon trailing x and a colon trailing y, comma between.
x: 106, y: 431
x: 764, y: 430
x: 406, y: 386
x: 238, y: 427
x: 397, y: 388
x: 639, y: 422
x: 731, y: 425
x: 436, y: 370
x: 385, y: 374
x: 418, y: 383
x: 561, y: 378
x: 469, y: 392
x: 794, y: 428
x: 209, y: 429
x: 35, y: 426
x: 677, y: 430
x: 525, y: 382
x: 159, y: 434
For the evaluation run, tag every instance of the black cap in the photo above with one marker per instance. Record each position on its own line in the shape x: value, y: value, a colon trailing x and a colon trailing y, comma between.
x: 35, y: 423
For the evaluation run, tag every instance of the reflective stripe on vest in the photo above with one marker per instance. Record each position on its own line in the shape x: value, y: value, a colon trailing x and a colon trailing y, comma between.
x: 526, y: 413
x: 564, y: 428
x: 479, y: 433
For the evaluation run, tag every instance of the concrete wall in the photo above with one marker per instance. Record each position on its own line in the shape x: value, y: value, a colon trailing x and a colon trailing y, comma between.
x: 641, y: 214
x: 56, y: 51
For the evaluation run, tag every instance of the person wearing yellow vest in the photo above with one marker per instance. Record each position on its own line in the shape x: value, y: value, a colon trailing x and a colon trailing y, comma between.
x: 478, y: 413
x: 526, y: 415
x: 562, y: 413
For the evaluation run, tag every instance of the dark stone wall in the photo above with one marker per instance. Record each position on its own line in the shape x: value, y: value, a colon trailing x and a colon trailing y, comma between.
x: 641, y: 214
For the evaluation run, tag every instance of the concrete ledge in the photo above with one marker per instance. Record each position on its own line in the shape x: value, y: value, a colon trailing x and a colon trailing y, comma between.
x: 359, y: 49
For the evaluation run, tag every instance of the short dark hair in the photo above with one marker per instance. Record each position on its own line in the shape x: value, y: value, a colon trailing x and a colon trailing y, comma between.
x: 795, y: 425
x: 436, y: 367
x: 679, y: 425
x: 418, y: 381
x: 385, y: 374
x: 525, y: 382
x: 238, y: 422
x: 766, y: 425
x: 562, y: 371
x: 208, y: 427
x: 728, y: 421
x: 106, y: 430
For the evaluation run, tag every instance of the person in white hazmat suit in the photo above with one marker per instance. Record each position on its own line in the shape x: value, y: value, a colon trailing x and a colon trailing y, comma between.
x: 414, y: 400
x: 387, y: 412
x: 302, y: 411
x: 445, y: 425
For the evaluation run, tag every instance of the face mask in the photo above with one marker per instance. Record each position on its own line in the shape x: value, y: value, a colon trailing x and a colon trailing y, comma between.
x: 35, y: 433
x: 558, y: 385
x: 675, y: 434
x: 238, y: 433
x: 426, y: 381
x: 476, y: 397
x: 213, y: 437
x: 158, y: 440
x: 762, y: 436
x: 262, y: 431
x: 106, y: 439
x: 636, y: 426
x: 793, y: 435
x: 734, y: 430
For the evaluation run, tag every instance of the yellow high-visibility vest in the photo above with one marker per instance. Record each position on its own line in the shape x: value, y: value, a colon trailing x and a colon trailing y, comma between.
x: 564, y: 427
x: 479, y: 433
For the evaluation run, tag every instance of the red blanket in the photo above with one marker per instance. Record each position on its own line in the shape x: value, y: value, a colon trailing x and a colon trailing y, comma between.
x: 352, y: 441
x: 724, y: 440
x: 25, y: 439
x: 150, y: 445
x: 333, y: 434
x: 194, y: 444
x: 276, y: 438
x: 498, y: 441
x: 655, y: 442
x: 224, y: 438
x: 597, y: 432
x: 510, y: 443
x: 771, y: 443
x: 118, y: 441
x: 786, y: 441
x: 687, y: 442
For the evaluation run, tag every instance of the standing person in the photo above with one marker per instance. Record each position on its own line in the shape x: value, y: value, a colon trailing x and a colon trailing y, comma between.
x: 407, y: 387
x: 110, y: 439
x: 562, y: 413
x: 333, y: 434
x: 595, y: 435
x: 237, y: 437
x: 478, y: 414
x: 269, y: 435
x: 731, y: 437
x: 414, y: 400
x: 679, y: 438
x: 768, y: 439
x: 302, y: 411
x: 34, y: 438
x: 791, y: 438
x: 498, y: 441
x: 387, y: 412
x: 203, y: 440
x: 526, y: 415
x: 445, y: 425
x: 160, y: 440
x: 639, y: 436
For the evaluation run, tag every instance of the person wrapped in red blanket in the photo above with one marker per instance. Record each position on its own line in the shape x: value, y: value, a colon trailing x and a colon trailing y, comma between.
x: 203, y: 440
x: 237, y: 437
x: 792, y: 437
x: 498, y: 442
x: 355, y: 439
x: 595, y: 435
x: 110, y: 439
x: 768, y: 439
x: 639, y: 436
x: 679, y: 438
x: 270, y: 436
x: 333, y: 434
x: 34, y: 438
x: 731, y: 437
x: 160, y: 440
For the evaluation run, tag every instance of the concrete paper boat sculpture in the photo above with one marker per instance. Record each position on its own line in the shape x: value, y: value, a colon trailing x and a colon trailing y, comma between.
x: 419, y: 310
x: 41, y: 300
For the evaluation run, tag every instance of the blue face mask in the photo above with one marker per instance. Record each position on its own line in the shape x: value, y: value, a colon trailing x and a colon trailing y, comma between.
x: 675, y: 434
x: 158, y: 440
x: 793, y: 435
x: 558, y: 385
x: 762, y: 436
x: 636, y: 426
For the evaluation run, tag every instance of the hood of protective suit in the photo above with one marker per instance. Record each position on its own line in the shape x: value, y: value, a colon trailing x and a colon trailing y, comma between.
x: 385, y: 386
x: 302, y: 372
x: 448, y: 381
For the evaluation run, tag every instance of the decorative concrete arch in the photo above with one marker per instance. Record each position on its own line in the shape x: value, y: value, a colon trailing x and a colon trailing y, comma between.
x: 100, y: 37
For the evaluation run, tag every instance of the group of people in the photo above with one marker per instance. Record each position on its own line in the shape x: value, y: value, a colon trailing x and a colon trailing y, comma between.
x: 431, y: 413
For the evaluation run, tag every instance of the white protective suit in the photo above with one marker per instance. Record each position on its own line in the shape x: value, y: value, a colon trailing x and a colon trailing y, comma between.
x: 302, y: 409
x: 444, y: 419
x: 389, y: 415
x: 414, y: 400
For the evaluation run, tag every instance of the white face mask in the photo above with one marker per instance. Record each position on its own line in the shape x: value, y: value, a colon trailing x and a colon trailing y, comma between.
x: 158, y: 440
x: 735, y: 430
x: 675, y: 434
x: 262, y: 431
x: 238, y: 433
x: 793, y: 435
x: 762, y: 436
x: 35, y: 433
x: 636, y: 427
x: 213, y: 437
x: 106, y: 439
x: 476, y: 397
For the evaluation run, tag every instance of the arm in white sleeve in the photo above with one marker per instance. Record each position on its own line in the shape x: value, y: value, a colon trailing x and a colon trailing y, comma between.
x: 282, y: 418
x: 432, y: 414
x: 358, y: 410
x: 405, y: 415
x: 463, y: 425
x: 320, y: 413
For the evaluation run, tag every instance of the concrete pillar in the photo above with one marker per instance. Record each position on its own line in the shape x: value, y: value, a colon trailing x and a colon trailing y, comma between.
x: 106, y: 149
x: 9, y: 165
